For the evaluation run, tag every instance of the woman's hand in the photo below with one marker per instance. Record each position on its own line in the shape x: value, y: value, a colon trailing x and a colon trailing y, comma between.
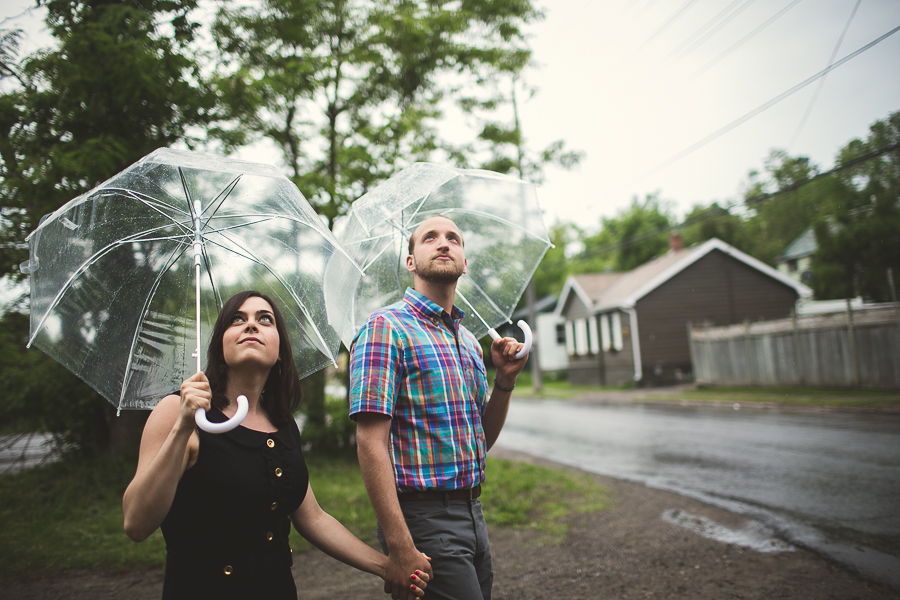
x: 195, y: 393
x: 419, y: 581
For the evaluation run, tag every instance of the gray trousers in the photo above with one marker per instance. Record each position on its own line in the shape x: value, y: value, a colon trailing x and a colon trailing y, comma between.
x: 455, y: 537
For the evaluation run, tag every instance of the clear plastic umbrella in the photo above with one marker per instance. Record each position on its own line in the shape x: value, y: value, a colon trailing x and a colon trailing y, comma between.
x: 127, y: 279
x: 503, y: 231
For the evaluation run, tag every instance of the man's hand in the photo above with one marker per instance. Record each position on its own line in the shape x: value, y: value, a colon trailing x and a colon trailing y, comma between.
x: 503, y: 353
x: 401, y: 563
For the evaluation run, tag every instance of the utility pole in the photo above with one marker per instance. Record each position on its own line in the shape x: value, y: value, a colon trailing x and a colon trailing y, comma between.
x: 536, y: 380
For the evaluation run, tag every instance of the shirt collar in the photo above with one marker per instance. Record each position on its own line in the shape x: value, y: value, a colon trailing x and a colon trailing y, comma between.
x: 428, y: 308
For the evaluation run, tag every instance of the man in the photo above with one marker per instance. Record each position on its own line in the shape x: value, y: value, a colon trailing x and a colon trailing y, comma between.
x: 419, y: 394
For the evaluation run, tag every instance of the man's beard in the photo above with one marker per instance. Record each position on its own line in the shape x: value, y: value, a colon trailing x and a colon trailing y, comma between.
x: 434, y: 271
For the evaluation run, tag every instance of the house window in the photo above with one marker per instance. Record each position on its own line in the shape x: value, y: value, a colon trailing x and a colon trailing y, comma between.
x: 560, y: 334
x: 581, y: 337
x: 792, y: 266
x: 606, y: 340
x: 570, y: 338
x: 616, y: 327
x: 593, y: 338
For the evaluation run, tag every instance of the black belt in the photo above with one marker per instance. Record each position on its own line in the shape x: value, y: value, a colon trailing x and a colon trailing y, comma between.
x: 441, y: 495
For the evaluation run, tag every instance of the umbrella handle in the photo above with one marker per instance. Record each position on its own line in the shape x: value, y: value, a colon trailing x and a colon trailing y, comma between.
x: 205, y: 425
x: 526, y: 330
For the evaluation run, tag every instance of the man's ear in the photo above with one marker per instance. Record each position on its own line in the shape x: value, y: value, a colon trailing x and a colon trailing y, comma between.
x: 410, y: 263
x: 465, y: 266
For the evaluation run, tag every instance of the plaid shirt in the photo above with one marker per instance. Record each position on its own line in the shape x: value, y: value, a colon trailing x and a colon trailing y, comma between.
x: 414, y: 362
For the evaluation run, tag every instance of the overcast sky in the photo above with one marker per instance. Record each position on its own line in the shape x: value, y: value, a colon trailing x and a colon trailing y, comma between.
x: 634, y: 83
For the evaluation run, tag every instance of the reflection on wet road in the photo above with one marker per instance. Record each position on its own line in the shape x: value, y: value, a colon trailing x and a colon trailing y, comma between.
x: 827, y: 481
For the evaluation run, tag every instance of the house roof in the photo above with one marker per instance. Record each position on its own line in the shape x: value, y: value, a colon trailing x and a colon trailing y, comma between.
x: 623, y: 290
x: 804, y: 245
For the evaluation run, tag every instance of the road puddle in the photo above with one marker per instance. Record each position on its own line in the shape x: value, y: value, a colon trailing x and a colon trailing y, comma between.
x: 753, y: 535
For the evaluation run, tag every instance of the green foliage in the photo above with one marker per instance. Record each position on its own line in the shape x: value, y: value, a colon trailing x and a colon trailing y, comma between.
x: 118, y: 85
x: 41, y: 395
x: 68, y: 515
x: 350, y: 91
x: 633, y: 237
x: 858, y: 230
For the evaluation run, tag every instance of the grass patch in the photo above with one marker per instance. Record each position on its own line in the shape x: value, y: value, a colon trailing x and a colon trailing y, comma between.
x: 68, y: 514
x: 555, y: 387
x: 527, y: 496
x: 788, y: 396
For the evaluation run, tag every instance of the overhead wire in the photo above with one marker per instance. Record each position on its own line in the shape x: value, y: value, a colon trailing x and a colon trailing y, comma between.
x: 724, y: 22
x: 668, y: 22
x: 743, y: 40
x: 726, y: 209
x: 819, y: 87
x: 702, y: 29
x: 723, y: 130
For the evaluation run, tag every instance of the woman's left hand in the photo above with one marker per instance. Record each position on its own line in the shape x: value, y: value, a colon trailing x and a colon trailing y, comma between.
x: 419, y: 581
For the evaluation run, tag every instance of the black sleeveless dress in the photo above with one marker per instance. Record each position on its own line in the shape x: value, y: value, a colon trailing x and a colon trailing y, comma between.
x: 227, y: 531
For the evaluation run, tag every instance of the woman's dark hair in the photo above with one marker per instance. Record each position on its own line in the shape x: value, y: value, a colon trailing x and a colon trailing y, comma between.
x: 281, y: 395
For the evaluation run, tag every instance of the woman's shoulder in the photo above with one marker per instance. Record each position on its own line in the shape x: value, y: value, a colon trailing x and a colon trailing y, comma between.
x: 165, y: 412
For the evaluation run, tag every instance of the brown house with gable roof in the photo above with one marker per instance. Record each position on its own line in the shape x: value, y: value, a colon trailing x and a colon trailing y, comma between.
x: 632, y: 327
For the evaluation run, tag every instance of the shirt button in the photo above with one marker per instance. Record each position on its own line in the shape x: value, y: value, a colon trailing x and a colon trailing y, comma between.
x: 274, y: 505
x: 270, y: 443
x: 269, y: 536
x: 228, y: 570
x: 278, y: 472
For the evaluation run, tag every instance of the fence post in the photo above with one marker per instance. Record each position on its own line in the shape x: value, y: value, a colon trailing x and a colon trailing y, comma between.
x: 751, y: 355
x: 890, y: 274
x: 853, y: 357
x: 798, y: 349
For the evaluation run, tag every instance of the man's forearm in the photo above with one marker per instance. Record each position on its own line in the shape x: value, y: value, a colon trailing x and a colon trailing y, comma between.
x: 494, y: 416
x: 378, y: 476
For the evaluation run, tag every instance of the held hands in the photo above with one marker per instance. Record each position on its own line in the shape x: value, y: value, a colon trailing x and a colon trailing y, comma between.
x: 399, y: 583
x: 195, y: 393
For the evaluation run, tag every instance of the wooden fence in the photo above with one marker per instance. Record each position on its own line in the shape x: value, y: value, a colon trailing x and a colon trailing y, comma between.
x: 855, y: 348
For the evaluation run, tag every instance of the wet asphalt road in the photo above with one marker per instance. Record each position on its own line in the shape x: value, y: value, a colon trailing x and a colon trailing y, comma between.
x: 827, y: 481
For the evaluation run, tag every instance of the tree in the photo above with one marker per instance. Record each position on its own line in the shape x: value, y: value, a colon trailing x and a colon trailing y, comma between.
x: 121, y: 83
x: 350, y: 90
x: 633, y: 237
x: 774, y: 222
x: 858, y: 229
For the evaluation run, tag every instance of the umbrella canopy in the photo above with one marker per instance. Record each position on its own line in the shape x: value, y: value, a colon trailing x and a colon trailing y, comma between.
x: 503, y: 231
x: 112, y: 279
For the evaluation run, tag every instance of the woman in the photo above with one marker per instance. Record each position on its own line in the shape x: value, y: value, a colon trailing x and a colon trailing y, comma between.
x: 225, y: 502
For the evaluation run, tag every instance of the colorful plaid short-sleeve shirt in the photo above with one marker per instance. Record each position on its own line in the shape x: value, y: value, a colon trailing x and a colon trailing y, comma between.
x: 414, y: 362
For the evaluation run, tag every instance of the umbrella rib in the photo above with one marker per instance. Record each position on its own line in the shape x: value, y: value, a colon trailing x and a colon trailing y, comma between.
x: 175, y: 254
x: 498, y: 219
x: 223, y: 195
x: 475, y: 312
x: 486, y: 297
x: 290, y: 291
x: 151, y: 202
x: 68, y: 284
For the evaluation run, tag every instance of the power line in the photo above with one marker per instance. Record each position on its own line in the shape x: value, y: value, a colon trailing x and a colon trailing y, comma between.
x: 716, y: 134
x: 819, y: 87
x: 726, y: 209
x: 725, y: 22
x: 702, y: 29
x: 669, y: 21
x: 744, y: 39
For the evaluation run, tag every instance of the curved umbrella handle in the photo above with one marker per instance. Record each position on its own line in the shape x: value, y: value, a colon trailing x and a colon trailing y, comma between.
x: 242, y: 407
x: 526, y: 330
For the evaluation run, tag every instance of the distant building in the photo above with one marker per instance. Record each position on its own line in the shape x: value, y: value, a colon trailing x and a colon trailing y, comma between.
x: 632, y: 327
x: 796, y: 260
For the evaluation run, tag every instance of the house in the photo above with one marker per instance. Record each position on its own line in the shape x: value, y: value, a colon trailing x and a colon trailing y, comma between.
x: 796, y: 260
x: 632, y: 327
